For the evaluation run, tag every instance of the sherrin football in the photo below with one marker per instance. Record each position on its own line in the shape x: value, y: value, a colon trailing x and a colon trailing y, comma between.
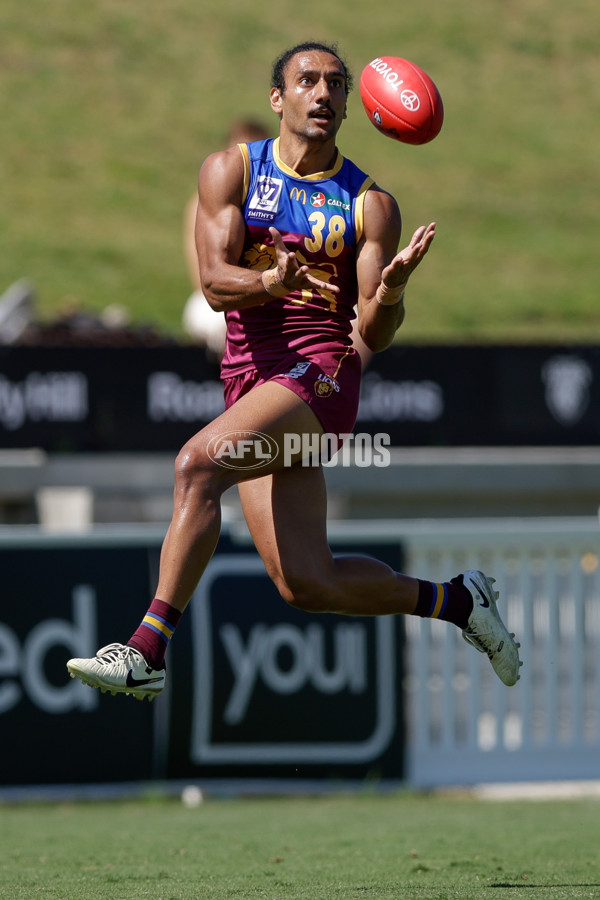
x: 401, y: 100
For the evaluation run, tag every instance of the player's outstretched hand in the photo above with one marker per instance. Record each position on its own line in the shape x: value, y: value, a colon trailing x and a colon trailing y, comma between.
x: 291, y: 274
x: 406, y: 261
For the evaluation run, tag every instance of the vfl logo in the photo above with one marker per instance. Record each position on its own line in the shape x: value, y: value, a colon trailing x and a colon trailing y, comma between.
x: 410, y: 100
x: 377, y: 117
x: 317, y: 199
x: 567, y: 380
x: 242, y: 450
x: 264, y: 202
x: 298, y: 370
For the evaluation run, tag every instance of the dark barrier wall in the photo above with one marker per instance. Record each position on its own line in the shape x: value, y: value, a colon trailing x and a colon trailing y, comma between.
x: 59, y: 602
x: 255, y: 689
x: 154, y: 399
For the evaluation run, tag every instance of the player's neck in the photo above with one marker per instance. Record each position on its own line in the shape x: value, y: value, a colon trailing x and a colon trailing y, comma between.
x: 307, y: 157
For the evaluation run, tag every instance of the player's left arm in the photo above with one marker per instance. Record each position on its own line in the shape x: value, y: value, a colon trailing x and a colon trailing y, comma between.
x: 383, y: 272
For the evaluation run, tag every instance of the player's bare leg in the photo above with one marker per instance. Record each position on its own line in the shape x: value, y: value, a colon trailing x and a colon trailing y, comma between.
x: 291, y: 538
x: 138, y: 667
x: 270, y: 409
x: 286, y: 515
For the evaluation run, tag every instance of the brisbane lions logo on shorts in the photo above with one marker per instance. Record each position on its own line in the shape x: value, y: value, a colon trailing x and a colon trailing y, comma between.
x: 325, y: 385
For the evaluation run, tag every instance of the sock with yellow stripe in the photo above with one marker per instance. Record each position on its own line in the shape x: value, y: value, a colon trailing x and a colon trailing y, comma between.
x: 449, y: 601
x: 154, y: 633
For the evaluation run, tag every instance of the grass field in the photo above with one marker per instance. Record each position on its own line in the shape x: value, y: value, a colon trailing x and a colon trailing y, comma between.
x: 108, y: 108
x: 375, y: 847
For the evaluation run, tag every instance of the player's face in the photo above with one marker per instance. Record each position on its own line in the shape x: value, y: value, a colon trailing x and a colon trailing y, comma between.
x: 313, y: 103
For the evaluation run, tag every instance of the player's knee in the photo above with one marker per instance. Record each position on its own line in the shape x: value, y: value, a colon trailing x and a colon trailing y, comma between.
x: 194, y: 467
x: 306, y: 593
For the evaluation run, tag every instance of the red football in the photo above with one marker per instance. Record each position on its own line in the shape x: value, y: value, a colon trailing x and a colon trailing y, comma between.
x: 401, y: 100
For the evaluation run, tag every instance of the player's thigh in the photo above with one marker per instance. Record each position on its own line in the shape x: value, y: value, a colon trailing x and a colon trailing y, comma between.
x: 286, y: 513
x: 257, y: 435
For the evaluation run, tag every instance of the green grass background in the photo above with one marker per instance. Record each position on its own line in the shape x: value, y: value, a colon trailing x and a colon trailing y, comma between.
x: 108, y: 108
x: 375, y: 847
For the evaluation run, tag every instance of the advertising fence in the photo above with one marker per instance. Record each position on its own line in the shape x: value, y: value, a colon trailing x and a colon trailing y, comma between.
x: 154, y: 399
x: 255, y: 688
x: 259, y: 691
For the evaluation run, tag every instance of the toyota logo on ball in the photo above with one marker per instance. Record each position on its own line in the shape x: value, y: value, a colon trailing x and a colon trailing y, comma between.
x: 410, y: 100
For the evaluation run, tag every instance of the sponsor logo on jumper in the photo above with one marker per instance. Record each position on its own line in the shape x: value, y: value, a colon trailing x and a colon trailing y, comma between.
x: 298, y: 194
x: 43, y: 397
x: 325, y: 385
x: 242, y: 450
x: 318, y: 199
x: 340, y: 204
x: 567, y: 380
x: 387, y: 73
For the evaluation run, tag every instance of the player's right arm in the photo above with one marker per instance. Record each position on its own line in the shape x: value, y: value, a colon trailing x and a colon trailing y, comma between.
x: 220, y: 234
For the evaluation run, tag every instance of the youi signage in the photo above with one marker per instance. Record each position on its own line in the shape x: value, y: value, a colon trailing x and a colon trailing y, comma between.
x: 255, y: 688
x: 276, y: 687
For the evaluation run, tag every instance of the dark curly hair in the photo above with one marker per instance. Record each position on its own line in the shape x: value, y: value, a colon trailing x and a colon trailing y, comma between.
x: 278, y: 71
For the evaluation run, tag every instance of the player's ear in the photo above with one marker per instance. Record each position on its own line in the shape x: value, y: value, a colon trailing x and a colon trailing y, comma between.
x: 276, y: 100
x: 345, y: 116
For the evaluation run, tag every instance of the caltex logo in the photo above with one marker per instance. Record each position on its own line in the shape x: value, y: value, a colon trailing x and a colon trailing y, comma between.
x: 317, y: 199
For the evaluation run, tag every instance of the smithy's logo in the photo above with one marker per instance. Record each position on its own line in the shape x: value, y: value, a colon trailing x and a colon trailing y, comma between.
x: 242, y: 450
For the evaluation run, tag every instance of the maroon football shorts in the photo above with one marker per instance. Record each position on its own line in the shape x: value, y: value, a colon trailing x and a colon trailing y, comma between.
x: 329, y: 382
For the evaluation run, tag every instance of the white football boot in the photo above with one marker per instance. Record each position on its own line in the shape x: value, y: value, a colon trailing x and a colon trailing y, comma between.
x: 119, y: 669
x: 487, y: 632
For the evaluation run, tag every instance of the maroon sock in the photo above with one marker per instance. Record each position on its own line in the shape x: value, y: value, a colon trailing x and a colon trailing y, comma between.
x: 449, y: 601
x: 154, y: 632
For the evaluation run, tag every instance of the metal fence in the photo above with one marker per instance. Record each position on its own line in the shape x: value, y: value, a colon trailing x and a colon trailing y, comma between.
x: 464, y: 726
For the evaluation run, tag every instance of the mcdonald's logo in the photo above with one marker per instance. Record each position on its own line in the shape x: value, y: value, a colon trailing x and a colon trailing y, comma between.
x: 297, y: 193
